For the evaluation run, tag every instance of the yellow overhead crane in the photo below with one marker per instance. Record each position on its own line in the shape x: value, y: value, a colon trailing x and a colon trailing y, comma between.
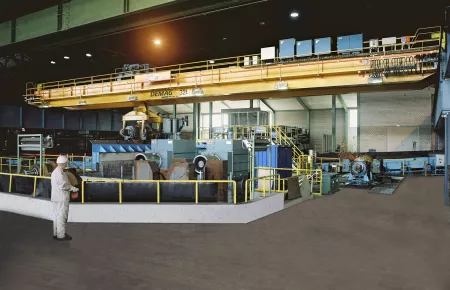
x: 375, y: 69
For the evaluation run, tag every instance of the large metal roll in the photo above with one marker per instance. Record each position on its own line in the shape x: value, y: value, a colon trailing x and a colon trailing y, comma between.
x: 200, y: 161
x: 152, y: 156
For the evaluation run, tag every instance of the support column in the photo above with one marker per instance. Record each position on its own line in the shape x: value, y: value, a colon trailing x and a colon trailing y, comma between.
x: 447, y: 156
x: 251, y: 104
x: 333, y: 123
x: 194, y: 122
x: 21, y: 116
x: 43, y: 118
x: 174, y: 111
x: 358, y: 130
x: 344, y: 106
x: 210, y: 119
x: 308, y: 120
x: 199, y: 121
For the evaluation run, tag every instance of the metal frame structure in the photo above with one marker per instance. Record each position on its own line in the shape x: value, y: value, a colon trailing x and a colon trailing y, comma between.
x: 230, y: 78
x: 39, y: 148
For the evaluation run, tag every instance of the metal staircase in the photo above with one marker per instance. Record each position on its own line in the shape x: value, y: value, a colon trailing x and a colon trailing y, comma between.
x: 282, y: 139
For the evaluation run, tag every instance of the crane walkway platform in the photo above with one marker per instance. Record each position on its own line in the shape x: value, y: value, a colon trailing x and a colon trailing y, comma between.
x: 373, y: 69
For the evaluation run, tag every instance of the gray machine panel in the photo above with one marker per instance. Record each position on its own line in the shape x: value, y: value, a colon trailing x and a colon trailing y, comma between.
x: 169, y: 149
x: 232, y: 150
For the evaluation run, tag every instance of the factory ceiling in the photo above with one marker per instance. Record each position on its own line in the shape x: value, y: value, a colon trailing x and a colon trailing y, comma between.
x: 221, y: 34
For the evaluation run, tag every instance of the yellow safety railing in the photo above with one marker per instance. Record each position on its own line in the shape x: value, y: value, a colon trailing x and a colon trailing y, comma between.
x: 331, y: 159
x: 13, y: 162
x: 28, y: 160
x: 213, y: 71
x: 283, y: 139
x: 120, y: 182
x: 35, y: 177
x: 315, y: 174
x: 238, y: 132
x: 270, y: 178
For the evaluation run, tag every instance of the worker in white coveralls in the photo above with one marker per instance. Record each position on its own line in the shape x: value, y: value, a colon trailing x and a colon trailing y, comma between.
x: 61, y: 189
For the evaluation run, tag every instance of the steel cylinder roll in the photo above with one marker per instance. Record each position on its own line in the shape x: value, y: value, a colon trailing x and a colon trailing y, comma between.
x: 155, y: 157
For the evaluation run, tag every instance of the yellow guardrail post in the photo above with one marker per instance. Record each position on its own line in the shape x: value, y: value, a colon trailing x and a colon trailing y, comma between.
x: 246, y: 192
x: 82, y: 191
x: 10, y: 182
x: 120, y: 192
x: 158, y: 192
x: 196, y: 193
x: 34, y: 186
x: 264, y: 187
x: 234, y: 191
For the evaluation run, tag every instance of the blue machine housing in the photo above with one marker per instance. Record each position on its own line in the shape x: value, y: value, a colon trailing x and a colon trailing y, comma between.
x: 280, y: 157
x: 350, y: 43
x: 104, y: 147
x: 287, y: 48
x: 304, y: 48
x: 393, y: 167
x: 322, y: 45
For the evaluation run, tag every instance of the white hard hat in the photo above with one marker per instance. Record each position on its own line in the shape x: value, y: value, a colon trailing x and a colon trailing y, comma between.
x: 61, y: 159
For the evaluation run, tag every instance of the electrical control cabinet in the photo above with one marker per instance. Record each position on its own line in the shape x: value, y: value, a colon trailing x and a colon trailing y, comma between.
x: 304, y: 48
x: 322, y: 45
x: 287, y: 48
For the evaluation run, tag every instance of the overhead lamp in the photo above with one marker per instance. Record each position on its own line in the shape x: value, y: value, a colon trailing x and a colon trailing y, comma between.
x: 157, y: 41
x: 66, y: 57
x: 52, y: 62
x: 281, y: 86
x: 132, y: 98
x: 294, y: 14
x: 44, y: 105
x: 211, y: 61
x: 398, y: 125
x: 88, y: 55
x: 82, y: 103
x: 375, y: 80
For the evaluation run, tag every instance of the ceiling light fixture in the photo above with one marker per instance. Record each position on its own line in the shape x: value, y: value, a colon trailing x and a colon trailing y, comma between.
x: 52, y: 62
x: 281, y: 86
x: 88, y: 55
x: 375, y: 80
x: 66, y: 57
x: 157, y: 42
x: 211, y: 61
x: 294, y: 14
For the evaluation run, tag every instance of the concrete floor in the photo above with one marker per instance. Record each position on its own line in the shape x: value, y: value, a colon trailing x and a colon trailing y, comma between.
x: 351, y: 240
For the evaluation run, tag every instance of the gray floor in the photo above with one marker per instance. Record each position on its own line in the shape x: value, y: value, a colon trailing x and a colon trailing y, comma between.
x: 351, y: 240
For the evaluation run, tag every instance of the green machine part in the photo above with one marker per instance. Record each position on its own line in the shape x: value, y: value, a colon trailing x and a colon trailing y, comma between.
x: 330, y: 183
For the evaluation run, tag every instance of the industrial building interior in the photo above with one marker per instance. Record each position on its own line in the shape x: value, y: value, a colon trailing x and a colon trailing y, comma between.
x: 243, y: 144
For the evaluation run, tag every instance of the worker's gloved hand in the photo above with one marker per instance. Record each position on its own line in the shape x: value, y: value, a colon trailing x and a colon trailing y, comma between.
x: 74, y: 189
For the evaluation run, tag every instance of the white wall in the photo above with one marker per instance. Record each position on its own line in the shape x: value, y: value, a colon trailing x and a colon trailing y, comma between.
x: 291, y: 118
x: 392, y: 121
x: 320, y: 124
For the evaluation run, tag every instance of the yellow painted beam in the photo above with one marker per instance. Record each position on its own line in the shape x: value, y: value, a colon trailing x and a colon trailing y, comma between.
x: 226, y: 83
x: 259, y: 90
